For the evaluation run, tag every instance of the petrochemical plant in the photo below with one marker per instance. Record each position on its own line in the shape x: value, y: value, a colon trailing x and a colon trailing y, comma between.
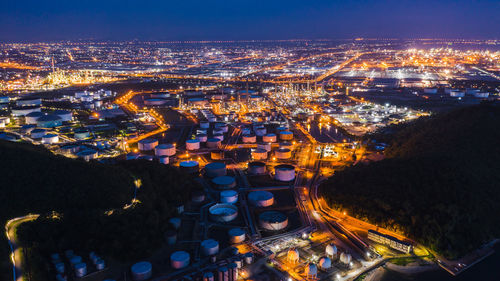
x: 259, y: 133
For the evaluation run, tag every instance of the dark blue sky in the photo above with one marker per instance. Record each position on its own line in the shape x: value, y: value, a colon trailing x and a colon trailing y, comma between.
x: 39, y: 20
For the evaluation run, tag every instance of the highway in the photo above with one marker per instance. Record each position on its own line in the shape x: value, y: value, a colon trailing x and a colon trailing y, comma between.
x: 16, y: 251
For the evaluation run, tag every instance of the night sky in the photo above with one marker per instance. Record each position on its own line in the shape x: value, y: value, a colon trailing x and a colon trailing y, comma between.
x: 38, y: 20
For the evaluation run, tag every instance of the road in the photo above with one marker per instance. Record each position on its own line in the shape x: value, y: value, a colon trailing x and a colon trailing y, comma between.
x: 16, y: 251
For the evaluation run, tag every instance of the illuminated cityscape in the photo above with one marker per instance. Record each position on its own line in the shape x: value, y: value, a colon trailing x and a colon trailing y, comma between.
x: 220, y: 156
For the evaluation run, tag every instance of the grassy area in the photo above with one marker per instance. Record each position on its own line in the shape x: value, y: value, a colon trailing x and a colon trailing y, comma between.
x: 403, y: 261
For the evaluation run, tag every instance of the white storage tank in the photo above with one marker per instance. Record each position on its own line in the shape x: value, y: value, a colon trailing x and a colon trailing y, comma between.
x: 87, y: 154
x: 147, y: 144
x: 100, y: 264
x: 273, y: 220
x: 311, y: 270
x: 259, y: 154
x: 264, y: 145
x: 166, y: 149
x: 191, y: 167
x: 163, y: 159
x: 256, y: 168
x: 229, y: 196
x: 269, y: 138
x: 218, y: 136
x: 210, y: 247
x: 80, y: 269
x: 192, y: 144
x: 236, y: 235
x: 179, y: 259
x: 286, y: 135
x: 32, y: 117
x: 50, y: 139
x: 325, y: 263
x: 215, y: 169
x: 286, y: 144
x: 208, y: 276
x: 249, y: 138
x: 283, y: 153
x: 217, y: 155
x: 141, y: 271
x: 81, y: 134
x: 202, y: 137
x: 223, y: 212
x: 204, y: 124
x: 261, y: 198
x: 331, y: 250
x: 248, y: 258
x: 284, y: 172
x: 213, y: 143
x: 224, y: 182
x: 260, y: 131
x: 65, y: 115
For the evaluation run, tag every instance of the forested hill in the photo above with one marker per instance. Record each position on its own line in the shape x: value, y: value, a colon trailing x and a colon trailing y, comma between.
x: 439, y: 183
x: 36, y: 181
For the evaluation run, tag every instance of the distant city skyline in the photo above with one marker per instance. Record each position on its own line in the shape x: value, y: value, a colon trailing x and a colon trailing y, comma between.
x: 33, y: 21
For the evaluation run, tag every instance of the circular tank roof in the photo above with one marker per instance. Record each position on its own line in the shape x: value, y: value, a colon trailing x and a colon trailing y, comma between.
x: 188, y: 164
x: 146, y: 141
x: 260, y: 195
x: 193, y: 141
x: 50, y: 117
x: 257, y: 164
x: 143, y: 266
x: 215, y: 166
x: 273, y: 217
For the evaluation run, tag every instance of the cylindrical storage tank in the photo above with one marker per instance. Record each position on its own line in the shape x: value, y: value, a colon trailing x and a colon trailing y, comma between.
x: 311, y: 270
x: 239, y: 263
x: 261, y: 198
x: 215, y: 169
x: 204, y: 124
x: 192, y: 144
x: 260, y: 131
x: 165, y: 149
x: 259, y: 154
x: 142, y: 270
x: 218, y: 136
x: 50, y: 139
x: 236, y: 235
x: 213, y: 143
x: 81, y: 134
x: 234, y: 251
x: 245, y: 131
x: 224, y: 182
x: 146, y: 157
x: 175, y: 222
x: 171, y: 237
x: 198, y: 196
x: 217, y: 132
x: 280, y: 129
x: 273, y: 220
x: 26, y: 129
x: 208, y: 276
x: 59, y: 267
x: 283, y: 153
x: 87, y: 154
x: 217, y: 155
x: 32, y: 117
x: 163, y: 159
x: 223, y: 274
x: 233, y: 271
x: 286, y: 135
x: 190, y: 167
x: 49, y: 121
x: 222, y: 126
x: 179, y: 259
x: 223, y: 212
x: 284, y: 172
x: 210, y: 247
x: 293, y: 255
x: 331, y: 250
x: 325, y: 263
x: 269, y: 138
x: 202, y: 137
x: 75, y: 260
x: 132, y: 156
x: 228, y: 196
x: 147, y: 144
x: 286, y: 144
x: 65, y: 115
x: 256, y: 168
x: 80, y: 269
x: 248, y: 258
x: 100, y: 264
x: 38, y: 133
x: 264, y: 145
x: 249, y: 138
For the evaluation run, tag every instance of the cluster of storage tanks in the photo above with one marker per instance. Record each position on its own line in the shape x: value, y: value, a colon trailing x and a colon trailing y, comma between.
x: 76, y: 265
x: 162, y: 152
